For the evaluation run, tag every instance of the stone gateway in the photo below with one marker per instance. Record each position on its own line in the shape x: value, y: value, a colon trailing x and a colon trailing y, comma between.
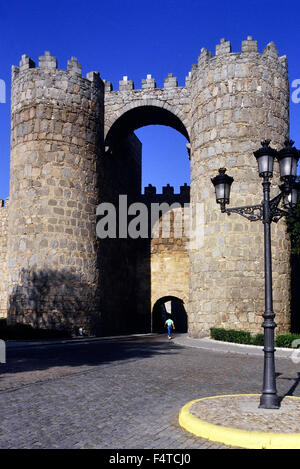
x: 73, y: 147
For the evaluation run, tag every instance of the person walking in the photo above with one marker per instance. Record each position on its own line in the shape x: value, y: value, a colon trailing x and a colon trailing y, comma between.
x: 170, y: 325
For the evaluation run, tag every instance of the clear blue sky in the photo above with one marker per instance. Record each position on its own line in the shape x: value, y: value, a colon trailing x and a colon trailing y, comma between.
x: 135, y: 38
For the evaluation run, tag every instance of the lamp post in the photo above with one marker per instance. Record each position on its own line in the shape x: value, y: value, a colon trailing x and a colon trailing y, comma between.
x: 267, y: 212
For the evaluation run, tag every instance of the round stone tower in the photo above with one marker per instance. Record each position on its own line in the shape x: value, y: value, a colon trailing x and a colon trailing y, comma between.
x: 238, y: 100
x: 56, y: 141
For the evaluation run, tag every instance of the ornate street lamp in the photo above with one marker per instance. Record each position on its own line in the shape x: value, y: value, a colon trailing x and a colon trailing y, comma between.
x: 265, y: 158
x: 268, y: 211
x: 222, y: 184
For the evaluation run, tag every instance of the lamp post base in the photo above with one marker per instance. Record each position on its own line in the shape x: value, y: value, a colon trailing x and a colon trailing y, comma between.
x: 269, y: 401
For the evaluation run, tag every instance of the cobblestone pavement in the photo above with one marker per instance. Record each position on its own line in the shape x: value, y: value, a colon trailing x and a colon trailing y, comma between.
x: 119, y: 393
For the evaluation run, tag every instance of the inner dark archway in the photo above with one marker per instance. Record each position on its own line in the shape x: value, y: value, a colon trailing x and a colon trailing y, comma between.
x: 169, y: 307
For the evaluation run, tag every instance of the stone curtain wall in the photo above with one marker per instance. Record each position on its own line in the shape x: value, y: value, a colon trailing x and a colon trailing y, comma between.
x: 170, y: 262
x: 168, y: 256
x: 238, y: 99
x: 3, y: 257
x: 56, y: 141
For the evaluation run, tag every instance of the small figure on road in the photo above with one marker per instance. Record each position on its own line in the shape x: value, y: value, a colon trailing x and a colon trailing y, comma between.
x: 170, y: 325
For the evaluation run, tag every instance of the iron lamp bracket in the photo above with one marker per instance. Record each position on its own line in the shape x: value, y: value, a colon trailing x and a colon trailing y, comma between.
x: 256, y: 212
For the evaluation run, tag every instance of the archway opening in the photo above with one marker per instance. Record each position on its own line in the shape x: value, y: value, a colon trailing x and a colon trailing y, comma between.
x: 169, y: 307
x: 164, y: 157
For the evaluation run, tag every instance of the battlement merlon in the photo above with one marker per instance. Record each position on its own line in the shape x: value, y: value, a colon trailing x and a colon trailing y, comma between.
x: 168, y: 190
x: 4, y: 203
x: 26, y: 62
x: 74, y: 66
x: 125, y: 84
x: 148, y: 83
x: 108, y: 87
x: 47, y: 61
x: 94, y: 77
x: 249, y: 45
x: 188, y: 79
x: 223, y: 48
x: 270, y: 50
x: 170, y: 81
x: 150, y: 190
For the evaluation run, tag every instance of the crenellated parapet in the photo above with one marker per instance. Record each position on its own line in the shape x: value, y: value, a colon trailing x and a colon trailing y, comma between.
x: 148, y: 83
x: 47, y: 62
x: 248, y: 46
x: 167, y: 195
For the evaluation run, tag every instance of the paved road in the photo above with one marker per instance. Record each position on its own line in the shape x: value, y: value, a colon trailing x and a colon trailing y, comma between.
x: 118, y: 393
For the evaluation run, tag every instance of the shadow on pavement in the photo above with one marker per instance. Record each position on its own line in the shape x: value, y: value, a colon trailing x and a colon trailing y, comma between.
x: 69, y: 356
x: 293, y: 388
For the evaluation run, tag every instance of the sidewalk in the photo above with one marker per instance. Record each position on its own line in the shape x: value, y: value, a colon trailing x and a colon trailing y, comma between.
x: 180, y: 339
x: 227, y: 347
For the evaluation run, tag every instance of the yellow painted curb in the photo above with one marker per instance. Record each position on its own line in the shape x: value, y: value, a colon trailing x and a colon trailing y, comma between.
x: 234, y: 436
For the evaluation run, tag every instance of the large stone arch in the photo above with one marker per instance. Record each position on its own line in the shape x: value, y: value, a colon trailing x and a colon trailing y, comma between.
x: 168, y: 106
x: 140, y: 114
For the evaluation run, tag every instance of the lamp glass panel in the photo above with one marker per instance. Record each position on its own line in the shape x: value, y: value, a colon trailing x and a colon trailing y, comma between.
x: 286, y: 166
x: 294, y: 166
x: 265, y: 164
x: 220, y: 191
x: 290, y: 200
x: 227, y: 191
x: 294, y: 198
x: 286, y: 200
